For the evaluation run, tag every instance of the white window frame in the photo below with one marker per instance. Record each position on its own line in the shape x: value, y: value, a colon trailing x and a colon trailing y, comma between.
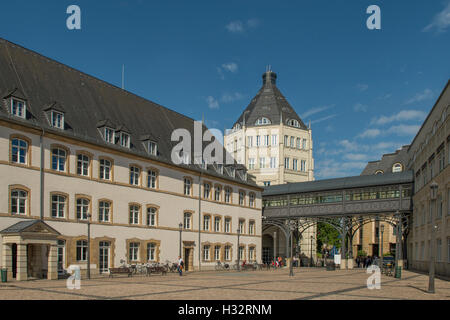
x: 152, y: 148
x: 105, y: 169
x: 187, y: 186
x: 23, y: 108
x: 206, y: 222
x: 18, y: 151
x: 60, y: 202
x: 227, y: 225
x: 133, y: 214
x: 152, y: 216
x: 61, y: 154
x: 19, y: 199
x: 108, y: 134
x: 125, y: 139
x: 82, y: 208
x: 57, y: 119
x: 135, y: 174
x: 152, y: 177
x: 83, y: 165
x: 104, y: 210
x: 217, y: 221
x: 187, y: 220
x: 134, y: 251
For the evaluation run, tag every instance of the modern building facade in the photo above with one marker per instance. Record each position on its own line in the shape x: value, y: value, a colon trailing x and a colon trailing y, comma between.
x: 276, y: 147
x: 75, y: 149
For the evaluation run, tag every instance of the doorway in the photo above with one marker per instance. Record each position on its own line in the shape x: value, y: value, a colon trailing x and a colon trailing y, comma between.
x: 104, y: 256
x: 14, y: 259
x: 187, y: 256
x: 61, y: 256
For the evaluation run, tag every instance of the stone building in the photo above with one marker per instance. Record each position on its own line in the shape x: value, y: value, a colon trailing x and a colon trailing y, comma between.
x: 429, y: 158
x: 75, y: 149
x: 276, y: 147
x: 368, y: 237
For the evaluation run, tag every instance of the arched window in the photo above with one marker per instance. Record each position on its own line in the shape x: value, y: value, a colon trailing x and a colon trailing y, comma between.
x: 19, y: 201
x: 151, y: 216
x: 59, y: 159
x: 237, y: 127
x: 379, y: 172
x: 262, y: 121
x: 82, y: 208
x: 293, y: 123
x: 19, y: 150
x: 397, y: 167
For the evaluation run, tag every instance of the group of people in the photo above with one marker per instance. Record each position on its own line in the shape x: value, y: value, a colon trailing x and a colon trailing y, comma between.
x: 364, y: 262
x: 278, y: 262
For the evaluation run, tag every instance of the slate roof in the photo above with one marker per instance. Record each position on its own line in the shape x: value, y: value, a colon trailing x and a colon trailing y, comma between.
x: 89, y: 103
x: 340, y: 183
x: 19, y: 226
x: 269, y: 102
x: 387, y: 161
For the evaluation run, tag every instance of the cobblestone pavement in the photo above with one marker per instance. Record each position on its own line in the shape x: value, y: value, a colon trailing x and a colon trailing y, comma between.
x: 274, y: 284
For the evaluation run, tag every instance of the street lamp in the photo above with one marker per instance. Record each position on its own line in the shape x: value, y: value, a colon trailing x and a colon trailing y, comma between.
x: 433, y: 196
x: 181, y: 230
x: 238, y: 251
x: 89, y: 246
x: 292, y: 227
x: 381, y: 246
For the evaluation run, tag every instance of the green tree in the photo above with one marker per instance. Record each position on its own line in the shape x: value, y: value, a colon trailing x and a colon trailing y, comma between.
x: 327, y: 234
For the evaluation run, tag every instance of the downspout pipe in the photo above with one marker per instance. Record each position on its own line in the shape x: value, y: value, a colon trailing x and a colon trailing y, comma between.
x: 199, y: 222
x: 41, y: 173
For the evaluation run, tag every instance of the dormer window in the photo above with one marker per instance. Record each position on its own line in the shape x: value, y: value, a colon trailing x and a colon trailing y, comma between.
x: 262, y: 121
x: 18, y: 108
x: 397, y: 167
x: 293, y: 123
x: 108, y: 134
x: 57, y: 119
x: 152, y: 148
x: 237, y: 127
x: 125, y: 139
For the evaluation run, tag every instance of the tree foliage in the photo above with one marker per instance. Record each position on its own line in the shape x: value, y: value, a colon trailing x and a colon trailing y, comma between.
x: 327, y: 234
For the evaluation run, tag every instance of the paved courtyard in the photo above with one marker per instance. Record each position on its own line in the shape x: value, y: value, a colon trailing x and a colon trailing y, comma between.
x: 307, y: 284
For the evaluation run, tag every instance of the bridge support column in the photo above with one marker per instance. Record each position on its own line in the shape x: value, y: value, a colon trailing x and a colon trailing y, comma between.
x: 275, y: 243
x: 343, y: 247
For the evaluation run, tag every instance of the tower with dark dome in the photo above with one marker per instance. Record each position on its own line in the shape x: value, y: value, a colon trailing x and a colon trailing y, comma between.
x: 270, y: 139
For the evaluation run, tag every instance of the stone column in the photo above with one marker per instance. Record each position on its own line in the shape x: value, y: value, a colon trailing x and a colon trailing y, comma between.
x: 7, y: 260
x: 52, y: 273
x: 275, y: 241
x: 21, y: 262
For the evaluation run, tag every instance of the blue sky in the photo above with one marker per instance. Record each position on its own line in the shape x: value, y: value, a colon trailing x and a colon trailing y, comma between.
x: 366, y: 92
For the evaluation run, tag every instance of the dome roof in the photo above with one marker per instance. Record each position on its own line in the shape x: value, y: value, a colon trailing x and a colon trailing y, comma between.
x: 269, y: 106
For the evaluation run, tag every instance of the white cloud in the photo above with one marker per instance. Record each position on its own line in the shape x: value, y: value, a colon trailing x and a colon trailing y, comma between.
x: 359, y: 107
x: 441, y: 21
x: 355, y: 156
x: 362, y: 87
x: 370, y: 133
x: 334, y: 169
x: 315, y: 110
x: 231, y: 67
x: 235, y: 26
x: 418, y: 97
x: 212, y: 103
x: 231, y: 97
x: 404, y: 115
x: 238, y: 26
x: 348, y: 146
x: 404, y: 130
x: 324, y: 118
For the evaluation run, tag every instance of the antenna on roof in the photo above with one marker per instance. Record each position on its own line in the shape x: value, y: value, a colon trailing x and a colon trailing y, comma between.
x: 123, y: 76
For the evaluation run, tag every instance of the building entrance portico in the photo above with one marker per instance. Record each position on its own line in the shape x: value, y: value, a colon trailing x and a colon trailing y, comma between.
x: 30, y: 250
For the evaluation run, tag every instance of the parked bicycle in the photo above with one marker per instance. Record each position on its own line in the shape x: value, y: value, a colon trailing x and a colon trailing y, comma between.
x: 222, y: 266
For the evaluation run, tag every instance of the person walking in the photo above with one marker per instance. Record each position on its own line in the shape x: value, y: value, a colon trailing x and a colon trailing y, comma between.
x: 180, y: 265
